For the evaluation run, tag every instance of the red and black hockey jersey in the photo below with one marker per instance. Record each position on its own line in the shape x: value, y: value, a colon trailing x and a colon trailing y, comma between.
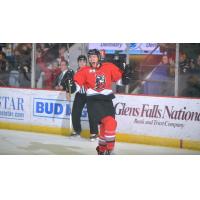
x: 98, y: 81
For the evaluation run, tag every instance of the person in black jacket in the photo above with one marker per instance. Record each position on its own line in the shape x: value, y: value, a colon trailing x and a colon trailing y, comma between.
x: 64, y: 80
x: 78, y: 105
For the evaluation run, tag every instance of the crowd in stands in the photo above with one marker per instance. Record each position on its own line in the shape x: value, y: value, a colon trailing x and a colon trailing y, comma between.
x: 15, y: 64
x: 190, y: 76
x: 49, y: 59
x: 160, y: 80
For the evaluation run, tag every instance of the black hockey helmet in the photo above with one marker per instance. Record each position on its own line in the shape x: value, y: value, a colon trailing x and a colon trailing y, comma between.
x: 82, y: 57
x: 94, y: 52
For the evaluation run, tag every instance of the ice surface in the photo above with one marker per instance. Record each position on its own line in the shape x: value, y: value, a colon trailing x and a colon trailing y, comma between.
x: 28, y: 143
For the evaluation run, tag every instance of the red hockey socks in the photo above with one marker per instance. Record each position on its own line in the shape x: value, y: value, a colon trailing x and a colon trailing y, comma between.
x: 102, y: 141
x: 107, y: 134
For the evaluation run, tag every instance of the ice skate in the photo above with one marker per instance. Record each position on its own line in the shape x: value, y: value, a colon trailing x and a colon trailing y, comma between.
x: 75, y: 134
x: 93, y: 137
x: 109, y: 152
x: 99, y: 152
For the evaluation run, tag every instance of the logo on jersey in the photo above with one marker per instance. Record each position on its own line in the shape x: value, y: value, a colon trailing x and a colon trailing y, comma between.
x: 100, y: 82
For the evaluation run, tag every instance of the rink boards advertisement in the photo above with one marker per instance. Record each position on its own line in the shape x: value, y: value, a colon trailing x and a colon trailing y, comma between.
x: 36, y: 107
x: 158, y: 116
x: 141, y: 115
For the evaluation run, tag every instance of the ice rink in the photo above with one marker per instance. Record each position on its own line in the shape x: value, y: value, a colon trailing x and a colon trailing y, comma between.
x: 28, y: 143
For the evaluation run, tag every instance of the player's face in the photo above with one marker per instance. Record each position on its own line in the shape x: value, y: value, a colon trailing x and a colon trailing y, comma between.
x: 93, y: 60
x: 82, y: 63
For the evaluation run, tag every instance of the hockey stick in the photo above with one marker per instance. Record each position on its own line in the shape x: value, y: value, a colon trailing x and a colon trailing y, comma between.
x: 70, y: 106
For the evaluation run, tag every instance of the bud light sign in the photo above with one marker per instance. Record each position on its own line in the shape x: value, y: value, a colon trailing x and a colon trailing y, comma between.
x: 53, y: 108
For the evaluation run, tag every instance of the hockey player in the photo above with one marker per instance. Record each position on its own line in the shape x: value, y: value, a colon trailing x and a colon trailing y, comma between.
x: 97, y: 79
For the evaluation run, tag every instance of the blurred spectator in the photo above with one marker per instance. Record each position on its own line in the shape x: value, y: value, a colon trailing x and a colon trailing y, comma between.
x: 50, y: 70
x: 3, y: 70
x: 171, y: 67
x: 14, y: 78
x: 197, y: 67
x: 49, y: 53
x: 56, y: 70
x: 22, y: 55
x: 193, y: 87
x: 198, y: 60
x: 63, y: 54
x: 191, y: 64
x: 2, y: 52
x: 4, y: 77
x: 25, y: 76
x: 63, y: 79
x: 158, y: 81
x: 2, y: 62
x: 44, y: 47
x: 183, y: 63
